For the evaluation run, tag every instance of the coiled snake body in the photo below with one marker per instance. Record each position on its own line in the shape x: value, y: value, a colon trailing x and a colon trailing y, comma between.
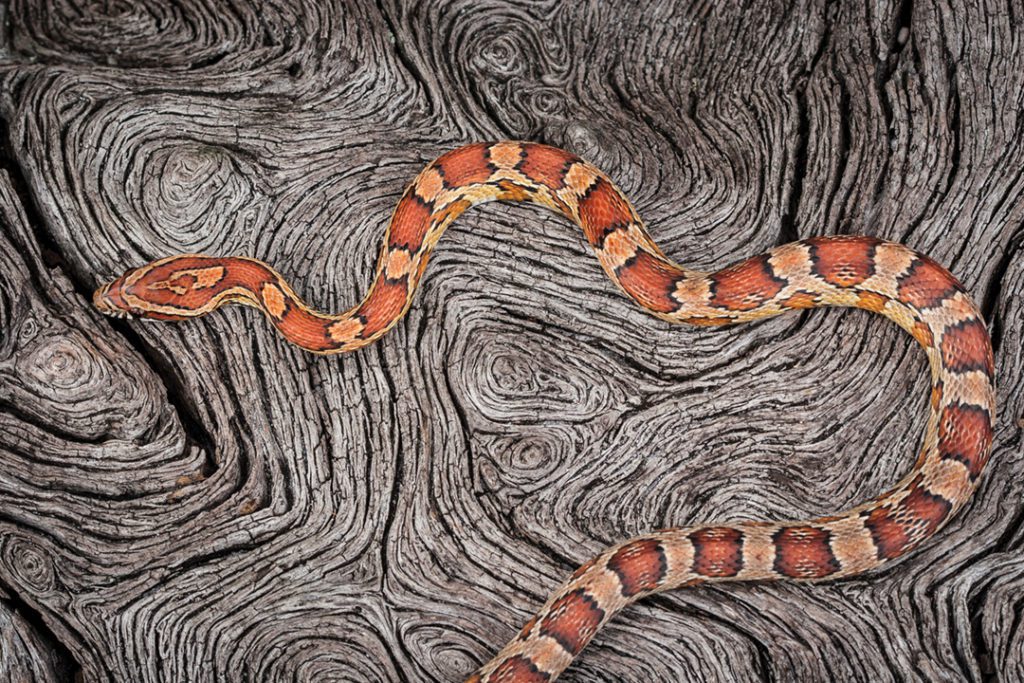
x: 912, y: 290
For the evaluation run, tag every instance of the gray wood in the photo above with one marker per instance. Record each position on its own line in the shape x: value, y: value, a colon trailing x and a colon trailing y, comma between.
x: 26, y: 654
x: 203, y: 502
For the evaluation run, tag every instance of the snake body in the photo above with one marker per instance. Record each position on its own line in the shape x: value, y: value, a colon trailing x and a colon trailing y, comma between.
x: 915, y: 292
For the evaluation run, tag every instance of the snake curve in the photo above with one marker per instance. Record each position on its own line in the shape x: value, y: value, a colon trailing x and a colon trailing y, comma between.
x: 888, y: 278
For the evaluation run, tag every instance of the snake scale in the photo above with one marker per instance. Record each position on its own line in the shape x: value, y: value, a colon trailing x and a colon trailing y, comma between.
x: 910, y: 289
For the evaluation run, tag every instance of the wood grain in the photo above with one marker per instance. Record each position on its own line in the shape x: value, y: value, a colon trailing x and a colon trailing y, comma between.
x: 202, y: 502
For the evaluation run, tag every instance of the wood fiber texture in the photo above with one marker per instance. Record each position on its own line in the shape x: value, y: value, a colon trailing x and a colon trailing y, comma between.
x: 200, y: 501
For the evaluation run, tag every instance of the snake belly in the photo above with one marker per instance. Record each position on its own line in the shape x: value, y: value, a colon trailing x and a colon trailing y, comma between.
x: 887, y: 278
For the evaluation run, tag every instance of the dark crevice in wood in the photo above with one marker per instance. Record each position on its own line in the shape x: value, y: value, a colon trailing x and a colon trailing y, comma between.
x: 954, y: 122
x: 992, y: 295
x: 493, y: 115
x: 904, y: 18
x: 48, y: 250
x: 788, y: 231
x: 845, y: 116
x: 883, y: 74
x: 51, y: 253
x: 398, y: 39
x: 188, y: 414
x: 393, y: 401
x: 68, y: 668
x: 1012, y: 537
x: 207, y: 62
x: 916, y: 221
x: 787, y: 221
x: 966, y: 660
x: 627, y: 103
x: 979, y: 645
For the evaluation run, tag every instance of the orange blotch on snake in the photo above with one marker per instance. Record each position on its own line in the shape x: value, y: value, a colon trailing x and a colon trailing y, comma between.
x: 465, y: 166
x: 640, y: 566
x: 546, y: 165
x: 717, y: 551
x: 510, y: 192
x: 524, y: 633
x: 273, y: 300
x: 898, y: 528
x: 650, y: 281
x: 800, y: 300
x: 572, y: 620
x: 922, y: 333
x: 889, y: 536
x: 936, y: 396
x: 843, y: 261
x: 926, y: 284
x: 745, y: 285
x: 965, y: 347
x: 927, y: 509
x: 803, y: 552
x: 602, y: 210
x: 383, y: 307
x: 306, y: 329
x: 452, y: 211
x: 965, y: 434
x: 409, y: 225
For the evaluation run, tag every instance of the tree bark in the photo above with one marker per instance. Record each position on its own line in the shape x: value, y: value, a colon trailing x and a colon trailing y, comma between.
x: 201, y: 501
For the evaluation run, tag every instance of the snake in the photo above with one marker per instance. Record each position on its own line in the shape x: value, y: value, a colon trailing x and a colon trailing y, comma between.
x: 865, y: 272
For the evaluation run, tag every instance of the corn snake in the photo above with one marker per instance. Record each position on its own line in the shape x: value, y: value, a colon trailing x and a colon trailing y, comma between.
x: 916, y: 293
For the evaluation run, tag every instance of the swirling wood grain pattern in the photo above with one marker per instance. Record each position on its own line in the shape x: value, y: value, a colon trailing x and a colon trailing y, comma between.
x: 389, y: 508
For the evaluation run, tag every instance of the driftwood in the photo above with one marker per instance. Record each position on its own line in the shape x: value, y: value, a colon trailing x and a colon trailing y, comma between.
x: 203, y: 502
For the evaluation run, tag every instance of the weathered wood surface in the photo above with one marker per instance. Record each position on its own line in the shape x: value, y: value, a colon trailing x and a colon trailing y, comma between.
x: 202, y: 502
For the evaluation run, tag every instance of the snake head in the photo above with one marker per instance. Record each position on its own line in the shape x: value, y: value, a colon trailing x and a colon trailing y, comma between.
x: 174, y: 288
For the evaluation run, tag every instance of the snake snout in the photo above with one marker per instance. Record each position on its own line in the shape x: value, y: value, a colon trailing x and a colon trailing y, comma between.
x: 109, y: 301
x: 100, y: 300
